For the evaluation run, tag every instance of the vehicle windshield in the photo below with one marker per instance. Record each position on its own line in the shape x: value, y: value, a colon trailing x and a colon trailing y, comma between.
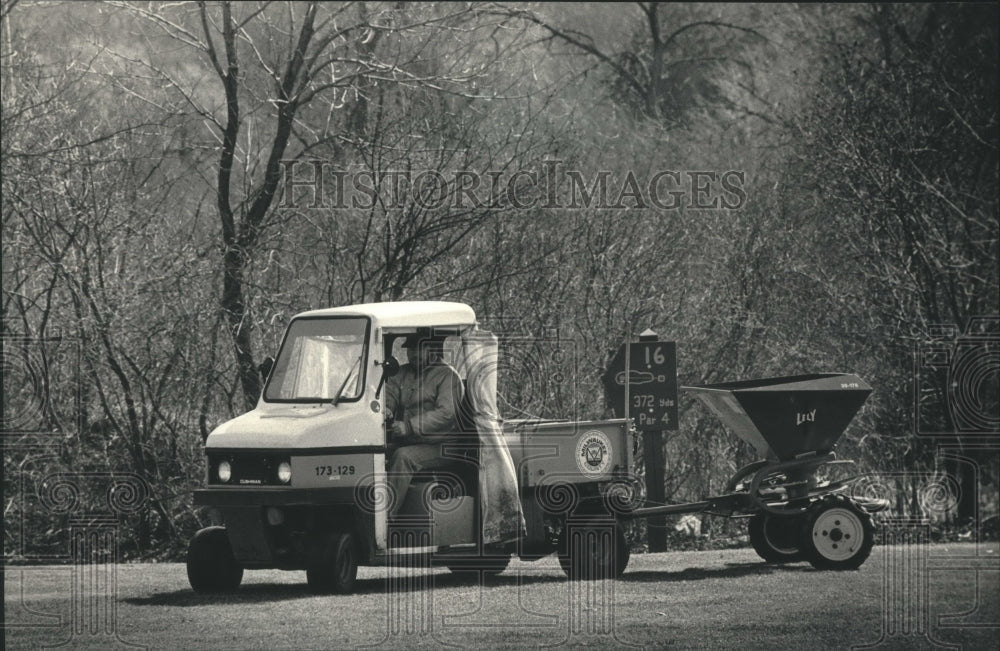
x: 319, y: 358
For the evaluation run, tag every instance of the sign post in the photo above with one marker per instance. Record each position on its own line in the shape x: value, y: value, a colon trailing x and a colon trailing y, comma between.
x: 641, y: 383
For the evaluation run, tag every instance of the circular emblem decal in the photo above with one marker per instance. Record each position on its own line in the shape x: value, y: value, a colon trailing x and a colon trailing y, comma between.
x: 593, y: 453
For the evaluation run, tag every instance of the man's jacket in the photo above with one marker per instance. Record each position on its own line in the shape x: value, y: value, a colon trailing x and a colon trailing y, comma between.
x: 427, y: 401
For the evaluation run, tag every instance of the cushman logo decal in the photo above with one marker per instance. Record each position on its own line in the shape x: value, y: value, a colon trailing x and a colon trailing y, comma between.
x: 593, y: 453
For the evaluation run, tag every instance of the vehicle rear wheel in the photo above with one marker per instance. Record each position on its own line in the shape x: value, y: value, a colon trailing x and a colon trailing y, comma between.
x: 592, y: 549
x: 333, y: 564
x: 210, y: 564
x: 776, y: 538
x: 838, y: 534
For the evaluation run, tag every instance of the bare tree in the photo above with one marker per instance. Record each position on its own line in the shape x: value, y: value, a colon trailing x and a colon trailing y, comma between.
x: 283, y: 96
x: 903, y: 152
x: 677, y: 59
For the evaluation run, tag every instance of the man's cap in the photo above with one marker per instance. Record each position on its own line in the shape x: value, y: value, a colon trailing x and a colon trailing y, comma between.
x: 422, y: 336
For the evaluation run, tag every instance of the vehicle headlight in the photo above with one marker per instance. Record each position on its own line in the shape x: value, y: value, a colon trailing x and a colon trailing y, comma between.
x: 284, y: 472
x: 225, y: 471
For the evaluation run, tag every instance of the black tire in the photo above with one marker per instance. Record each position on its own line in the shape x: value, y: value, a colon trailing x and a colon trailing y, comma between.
x: 489, y: 566
x: 210, y: 564
x: 776, y: 538
x: 333, y: 564
x: 593, y: 549
x: 837, y: 534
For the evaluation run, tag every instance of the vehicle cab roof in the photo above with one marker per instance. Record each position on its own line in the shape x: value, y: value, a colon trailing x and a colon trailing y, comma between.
x: 405, y: 314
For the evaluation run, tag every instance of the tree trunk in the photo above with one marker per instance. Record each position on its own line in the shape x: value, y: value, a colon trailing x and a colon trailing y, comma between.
x: 235, y: 308
x: 962, y: 471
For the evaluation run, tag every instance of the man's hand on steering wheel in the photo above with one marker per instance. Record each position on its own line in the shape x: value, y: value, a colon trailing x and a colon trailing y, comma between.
x: 397, y: 430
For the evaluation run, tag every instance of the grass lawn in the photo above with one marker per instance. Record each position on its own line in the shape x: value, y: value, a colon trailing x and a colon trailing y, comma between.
x: 903, y: 597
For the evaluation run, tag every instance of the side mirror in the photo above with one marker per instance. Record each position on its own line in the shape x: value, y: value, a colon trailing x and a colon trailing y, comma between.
x: 265, y: 368
x: 390, y: 367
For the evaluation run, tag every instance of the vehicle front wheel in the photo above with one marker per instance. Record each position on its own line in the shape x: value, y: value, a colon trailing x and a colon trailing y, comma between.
x: 838, y: 534
x: 776, y: 538
x: 210, y: 564
x: 333, y: 564
x: 593, y: 549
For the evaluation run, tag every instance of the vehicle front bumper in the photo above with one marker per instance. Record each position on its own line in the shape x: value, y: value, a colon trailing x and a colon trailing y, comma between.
x: 271, y: 496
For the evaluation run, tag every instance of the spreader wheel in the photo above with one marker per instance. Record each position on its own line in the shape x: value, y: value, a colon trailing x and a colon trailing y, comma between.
x: 775, y: 538
x: 210, y: 563
x: 838, y: 534
x: 593, y: 549
x: 333, y: 564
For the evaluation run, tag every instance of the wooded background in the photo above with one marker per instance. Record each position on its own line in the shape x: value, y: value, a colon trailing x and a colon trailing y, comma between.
x: 152, y: 257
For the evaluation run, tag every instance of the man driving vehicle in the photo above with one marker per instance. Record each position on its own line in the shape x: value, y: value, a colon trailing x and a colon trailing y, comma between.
x: 423, y: 400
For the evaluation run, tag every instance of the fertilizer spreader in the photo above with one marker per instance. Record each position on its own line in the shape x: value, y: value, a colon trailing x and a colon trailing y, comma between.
x: 797, y: 511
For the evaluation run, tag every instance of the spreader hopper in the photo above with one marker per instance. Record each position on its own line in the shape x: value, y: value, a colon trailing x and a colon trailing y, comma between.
x: 785, y: 417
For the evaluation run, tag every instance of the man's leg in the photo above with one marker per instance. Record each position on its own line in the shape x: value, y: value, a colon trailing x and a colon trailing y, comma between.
x: 406, y: 461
